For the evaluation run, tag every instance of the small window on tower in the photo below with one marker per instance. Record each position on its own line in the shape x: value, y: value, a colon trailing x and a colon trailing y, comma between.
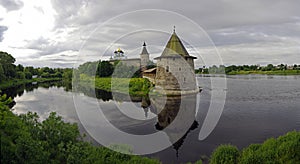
x: 167, y: 68
x: 179, y: 69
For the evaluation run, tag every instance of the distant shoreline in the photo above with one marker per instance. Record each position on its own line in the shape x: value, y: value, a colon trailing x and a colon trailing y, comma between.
x: 277, y: 72
x: 16, y: 82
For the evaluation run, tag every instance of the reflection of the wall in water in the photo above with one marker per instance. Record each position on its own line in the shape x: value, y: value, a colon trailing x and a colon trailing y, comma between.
x: 175, y: 116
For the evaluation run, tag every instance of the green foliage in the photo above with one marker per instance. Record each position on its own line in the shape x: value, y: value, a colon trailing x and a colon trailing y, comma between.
x: 105, y: 69
x: 284, y: 149
x: 67, y: 74
x: 20, y: 68
x: 135, y: 86
x: 25, y: 139
x: 7, y: 62
x: 270, y: 69
x: 2, y: 75
x: 198, y: 162
x: 33, y: 71
x: 45, y: 75
x: 88, y: 68
x: 9, y: 72
x: 20, y: 75
x: 28, y: 75
x: 225, y: 154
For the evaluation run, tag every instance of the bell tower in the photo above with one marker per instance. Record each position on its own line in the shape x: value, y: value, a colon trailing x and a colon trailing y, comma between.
x: 144, y: 56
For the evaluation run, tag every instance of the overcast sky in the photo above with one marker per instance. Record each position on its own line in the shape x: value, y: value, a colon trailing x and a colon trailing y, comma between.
x: 63, y: 33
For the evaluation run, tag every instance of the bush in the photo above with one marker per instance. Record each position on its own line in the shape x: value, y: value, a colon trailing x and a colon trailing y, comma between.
x: 284, y: 149
x: 225, y: 154
x: 20, y: 75
x: 45, y: 75
x: 28, y: 75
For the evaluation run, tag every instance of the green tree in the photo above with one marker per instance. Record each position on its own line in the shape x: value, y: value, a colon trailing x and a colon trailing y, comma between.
x: 28, y: 75
x: 105, y: 69
x: 7, y: 62
x: 33, y: 71
x: 20, y: 75
x: 225, y: 154
x: 20, y: 68
x: 2, y: 75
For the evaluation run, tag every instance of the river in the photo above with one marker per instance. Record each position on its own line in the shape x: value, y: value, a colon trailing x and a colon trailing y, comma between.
x: 257, y: 107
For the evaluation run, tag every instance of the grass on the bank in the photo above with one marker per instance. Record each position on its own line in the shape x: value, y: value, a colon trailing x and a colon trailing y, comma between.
x: 16, y: 82
x: 284, y: 149
x: 133, y: 86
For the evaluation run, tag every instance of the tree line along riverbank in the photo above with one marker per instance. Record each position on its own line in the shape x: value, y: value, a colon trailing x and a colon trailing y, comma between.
x: 270, y: 69
x: 12, y: 75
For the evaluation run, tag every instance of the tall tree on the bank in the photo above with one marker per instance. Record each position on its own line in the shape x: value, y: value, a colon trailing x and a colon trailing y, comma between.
x: 104, y: 69
x: 7, y: 61
x: 2, y: 75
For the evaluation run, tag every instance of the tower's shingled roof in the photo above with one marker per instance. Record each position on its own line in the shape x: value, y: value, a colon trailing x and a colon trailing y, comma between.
x: 175, y: 47
x: 144, y: 50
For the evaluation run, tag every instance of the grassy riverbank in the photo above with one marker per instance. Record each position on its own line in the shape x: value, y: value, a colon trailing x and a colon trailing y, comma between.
x: 133, y: 86
x: 16, y: 82
x: 284, y: 149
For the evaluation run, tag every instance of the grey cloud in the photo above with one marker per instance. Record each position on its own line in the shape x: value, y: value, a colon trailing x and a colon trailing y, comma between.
x: 11, y: 5
x: 2, y: 30
x: 232, y: 25
x: 259, y: 33
x: 209, y: 14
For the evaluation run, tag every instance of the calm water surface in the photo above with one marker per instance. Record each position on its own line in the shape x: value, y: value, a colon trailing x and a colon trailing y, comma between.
x: 257, y: 107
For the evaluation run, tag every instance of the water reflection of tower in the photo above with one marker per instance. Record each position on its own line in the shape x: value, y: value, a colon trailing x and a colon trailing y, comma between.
x: 146, y: 105
x: 176, y: 117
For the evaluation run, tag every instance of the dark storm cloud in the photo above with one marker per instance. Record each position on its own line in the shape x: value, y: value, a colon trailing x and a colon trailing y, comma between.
x: 2, y: 30
x: 11, y: 5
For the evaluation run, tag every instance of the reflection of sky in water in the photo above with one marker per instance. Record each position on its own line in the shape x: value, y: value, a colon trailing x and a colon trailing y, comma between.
x: 43, y: 101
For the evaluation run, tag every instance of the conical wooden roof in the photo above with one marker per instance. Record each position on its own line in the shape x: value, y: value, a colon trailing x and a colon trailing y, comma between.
x: 175, y: 47
x: 144, y: 50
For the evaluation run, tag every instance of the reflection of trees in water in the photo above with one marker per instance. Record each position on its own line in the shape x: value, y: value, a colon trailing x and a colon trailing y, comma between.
x: 19, y: 90
x: 176, y: 117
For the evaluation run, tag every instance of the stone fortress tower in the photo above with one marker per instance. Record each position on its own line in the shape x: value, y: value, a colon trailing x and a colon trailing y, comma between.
x: 144, y: 56
x: 175, y: 69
